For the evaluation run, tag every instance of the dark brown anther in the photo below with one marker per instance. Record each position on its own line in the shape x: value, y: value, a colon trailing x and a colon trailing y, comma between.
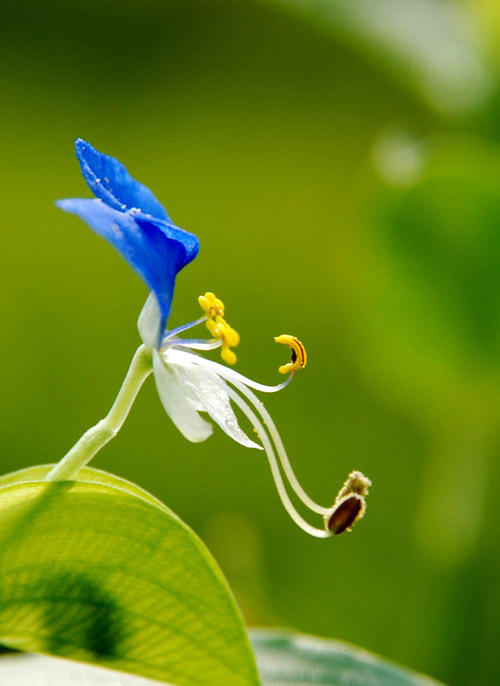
x: 345, y: 514
x: 349, y: 505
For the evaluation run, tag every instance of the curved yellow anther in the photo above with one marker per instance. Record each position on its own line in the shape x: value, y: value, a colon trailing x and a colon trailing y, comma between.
x: 299, y: 355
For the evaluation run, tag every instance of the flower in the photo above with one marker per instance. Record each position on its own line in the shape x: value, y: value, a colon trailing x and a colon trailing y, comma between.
x: 129, y: 216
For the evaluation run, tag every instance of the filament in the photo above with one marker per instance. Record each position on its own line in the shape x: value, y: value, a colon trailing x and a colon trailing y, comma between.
x: 183, y: 327
x: 196, y: 343
x: 280, y: 449
x: 229, y: 374
x: 278, y: 480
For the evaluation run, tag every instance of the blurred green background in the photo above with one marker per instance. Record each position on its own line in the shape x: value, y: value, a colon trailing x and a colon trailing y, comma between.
x: 340, y: 162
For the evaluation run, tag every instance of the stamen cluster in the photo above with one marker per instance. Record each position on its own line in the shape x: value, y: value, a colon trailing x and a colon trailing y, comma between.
x: 218, y: 327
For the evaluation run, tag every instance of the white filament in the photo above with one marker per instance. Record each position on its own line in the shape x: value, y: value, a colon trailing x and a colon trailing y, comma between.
x: 183, y: 327
x: 280, y: 449
x: 230, y: 374
x: 275, y: 471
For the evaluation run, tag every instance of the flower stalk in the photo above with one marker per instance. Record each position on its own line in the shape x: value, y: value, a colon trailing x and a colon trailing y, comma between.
x: 97, y: 436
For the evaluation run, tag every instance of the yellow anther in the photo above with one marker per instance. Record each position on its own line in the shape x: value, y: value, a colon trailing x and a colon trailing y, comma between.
x: 230, y: 336
x: 213, y: 328
x: 228, y: 356
x: 299, y: 355
x: 230, y: 339
x: 211, y: 305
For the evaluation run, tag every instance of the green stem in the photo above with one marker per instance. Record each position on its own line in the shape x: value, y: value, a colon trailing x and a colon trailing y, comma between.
x: 96, y: 438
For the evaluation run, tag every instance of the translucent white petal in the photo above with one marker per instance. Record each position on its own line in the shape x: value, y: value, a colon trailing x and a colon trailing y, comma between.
x: 177, y: 405
x: 210, y: 390
x: 149, y: 322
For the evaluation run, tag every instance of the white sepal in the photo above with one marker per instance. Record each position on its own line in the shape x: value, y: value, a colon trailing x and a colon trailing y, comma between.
x: 177, y: 405
x: 149, y: 322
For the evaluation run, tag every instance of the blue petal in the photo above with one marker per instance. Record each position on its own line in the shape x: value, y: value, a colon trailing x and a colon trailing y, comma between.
x: 110, y: 181
x: 155, y: 249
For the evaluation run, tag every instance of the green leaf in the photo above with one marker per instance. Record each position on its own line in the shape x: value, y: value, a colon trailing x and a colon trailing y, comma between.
x: 424, y: 282
x: 100, y: 571
x: 428, y: 45
x: 285, y: 658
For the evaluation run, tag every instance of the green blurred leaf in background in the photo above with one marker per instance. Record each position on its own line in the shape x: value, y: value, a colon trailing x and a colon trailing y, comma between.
x: 284, y: 659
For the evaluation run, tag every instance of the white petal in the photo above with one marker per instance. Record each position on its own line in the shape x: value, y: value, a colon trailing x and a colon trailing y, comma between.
x: 149, y: 322
x: 211, y: 392
x: 177, y: 404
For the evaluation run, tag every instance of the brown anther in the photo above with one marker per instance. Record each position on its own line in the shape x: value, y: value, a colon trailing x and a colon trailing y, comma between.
x: 345, y: 514
x: 349, y: 505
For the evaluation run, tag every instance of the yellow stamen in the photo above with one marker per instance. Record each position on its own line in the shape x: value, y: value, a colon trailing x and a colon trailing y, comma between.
x: 211, y: 305
x: 230, y: 339
x: 218, y: 327
x: 299, y: 355
x: 213, y: 328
